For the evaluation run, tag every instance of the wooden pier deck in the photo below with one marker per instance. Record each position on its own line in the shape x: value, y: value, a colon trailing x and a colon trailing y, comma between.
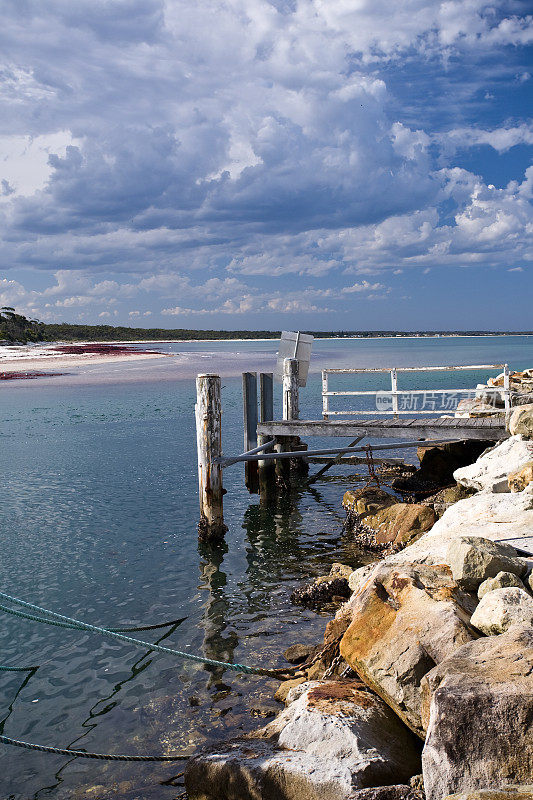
x: 443, y: 428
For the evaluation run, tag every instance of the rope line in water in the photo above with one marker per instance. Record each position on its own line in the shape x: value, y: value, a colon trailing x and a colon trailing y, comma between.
x: 81, y: 753
x: 61, y: 621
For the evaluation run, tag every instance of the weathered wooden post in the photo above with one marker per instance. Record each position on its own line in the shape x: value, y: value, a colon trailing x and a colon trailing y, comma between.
x: 208, y: 414
x: 249, y: 398
x: 290, y: 389
x: 267, y: 469
x: 290, y: 412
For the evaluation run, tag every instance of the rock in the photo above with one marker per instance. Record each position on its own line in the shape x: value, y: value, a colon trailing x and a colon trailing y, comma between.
x: 502, y: 608
x: 282, y: 692
x: 489, y: 473
x: 389, y: 793
x: 478, y: 705
x: 404, y: 620
x: 496, y: 793
x: 498, y: 517
x: 333, y: 739
x: 326, y: 589
x: 517, y: 481
x: 447, y: 497
x: 521, y: 421
x: 472, y: 559
x: 481, y: 406
x: 339, y: 570
x: 298, y: 653
x: 503, y: 580
x: 395, y: 526
x: 359, y: 576
x: 437, y: 465
x: 367, y: 500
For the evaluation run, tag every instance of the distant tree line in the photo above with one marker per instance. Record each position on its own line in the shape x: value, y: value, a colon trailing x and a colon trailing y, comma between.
x: 18, y: 328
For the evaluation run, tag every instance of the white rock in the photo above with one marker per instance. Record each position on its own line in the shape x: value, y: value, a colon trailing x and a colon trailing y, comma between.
x: 502, y: 608
x: 505, y: 518
x: 503, y: 580
x: 333, y: 739
x: 489, y: 473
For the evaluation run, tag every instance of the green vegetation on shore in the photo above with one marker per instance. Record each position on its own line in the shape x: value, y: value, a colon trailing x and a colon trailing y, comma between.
x: 17, y: 328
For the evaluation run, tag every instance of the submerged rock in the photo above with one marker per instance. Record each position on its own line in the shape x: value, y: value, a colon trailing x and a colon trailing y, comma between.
x: 333, y: 739
x: 478, y: 707
x: 502, y: 608
x: 489, y: 473
x: 327, y: 589
x: 472, y: 559
x: 404, y: 620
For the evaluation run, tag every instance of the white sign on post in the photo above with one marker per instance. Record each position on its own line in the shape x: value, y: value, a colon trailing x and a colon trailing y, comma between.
x: 294, y: 345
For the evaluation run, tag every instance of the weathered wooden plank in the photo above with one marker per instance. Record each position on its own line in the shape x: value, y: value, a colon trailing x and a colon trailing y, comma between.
x: 429, y: 427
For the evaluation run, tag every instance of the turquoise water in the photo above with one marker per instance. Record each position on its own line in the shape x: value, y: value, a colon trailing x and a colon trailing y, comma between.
x: 98, y: 513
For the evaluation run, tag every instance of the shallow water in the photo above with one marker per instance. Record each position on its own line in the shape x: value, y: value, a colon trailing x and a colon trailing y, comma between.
x: 98, y: 513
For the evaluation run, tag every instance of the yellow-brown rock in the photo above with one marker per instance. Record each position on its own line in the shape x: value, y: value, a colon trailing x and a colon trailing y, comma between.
x: 401, y: 523
x: 367, y: 500
x: 404, y: 620
x: 521, y: 478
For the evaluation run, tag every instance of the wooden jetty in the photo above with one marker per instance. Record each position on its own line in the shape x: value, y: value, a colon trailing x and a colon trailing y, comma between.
x: 442, y: 428
x: 273, y: 447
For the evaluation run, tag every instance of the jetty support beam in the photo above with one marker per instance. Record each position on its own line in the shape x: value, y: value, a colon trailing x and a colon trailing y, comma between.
x: 249, y: 400
x: 266, y: 469
x: 208, y: 413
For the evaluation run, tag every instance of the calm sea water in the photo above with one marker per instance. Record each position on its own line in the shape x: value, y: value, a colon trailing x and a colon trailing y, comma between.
x: 98, y: 515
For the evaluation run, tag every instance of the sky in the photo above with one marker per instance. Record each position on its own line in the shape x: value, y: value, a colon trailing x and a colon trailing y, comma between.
x: 267, y: 164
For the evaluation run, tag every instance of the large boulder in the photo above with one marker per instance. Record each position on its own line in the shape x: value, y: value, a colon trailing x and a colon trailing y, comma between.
x: 478, y: 708
x: 502, y: 608
x: 333, y: 739
x: 521, y: 421
x: 404, y: 620
x: 393, y: 527
x: 490, y: 471
x: 499, y: 517
x: 473, y: 559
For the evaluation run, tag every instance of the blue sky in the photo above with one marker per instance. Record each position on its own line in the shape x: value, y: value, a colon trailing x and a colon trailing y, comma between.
x: 313, y: 164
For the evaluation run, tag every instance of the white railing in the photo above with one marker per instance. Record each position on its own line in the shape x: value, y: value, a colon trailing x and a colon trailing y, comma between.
x: 393, y: 401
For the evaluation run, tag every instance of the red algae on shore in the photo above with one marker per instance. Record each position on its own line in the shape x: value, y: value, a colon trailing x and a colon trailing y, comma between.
x: 101, y: 349
x: 13, y: 376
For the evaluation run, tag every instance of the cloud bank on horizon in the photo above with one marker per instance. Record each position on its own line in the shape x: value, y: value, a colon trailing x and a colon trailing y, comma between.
x: 257, y: 163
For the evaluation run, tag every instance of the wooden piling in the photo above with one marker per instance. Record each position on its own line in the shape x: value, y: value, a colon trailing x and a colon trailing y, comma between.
x: 208, y: 414
x: 266, y: 469
x: 290, y: 412
x: 249, y: 405
x: 290, y: 389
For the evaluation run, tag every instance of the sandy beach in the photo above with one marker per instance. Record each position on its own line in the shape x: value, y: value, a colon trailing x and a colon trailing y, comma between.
x: 35, y: 358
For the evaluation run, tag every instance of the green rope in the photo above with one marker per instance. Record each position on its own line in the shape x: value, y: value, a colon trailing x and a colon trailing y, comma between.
x: 61, y: 621
x: 102, y: 756
x: 16, y: 669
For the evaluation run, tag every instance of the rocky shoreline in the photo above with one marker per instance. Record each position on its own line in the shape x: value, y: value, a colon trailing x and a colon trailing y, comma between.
x: 423, y: 685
